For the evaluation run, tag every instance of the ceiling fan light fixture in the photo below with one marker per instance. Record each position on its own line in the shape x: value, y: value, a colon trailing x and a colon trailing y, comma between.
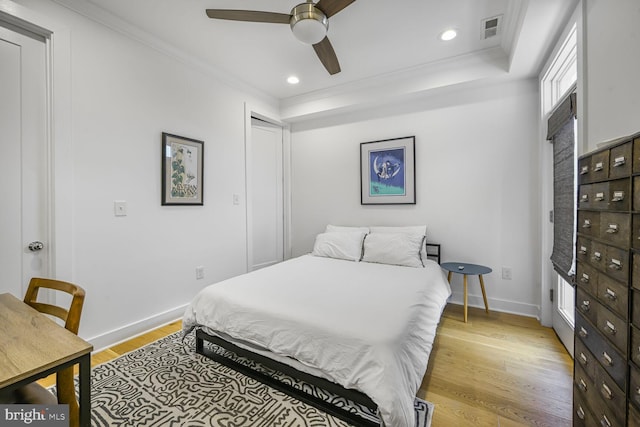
x: 308, y: 24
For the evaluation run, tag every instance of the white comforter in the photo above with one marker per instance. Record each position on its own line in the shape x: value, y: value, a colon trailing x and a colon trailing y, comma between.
x: 364, y: 326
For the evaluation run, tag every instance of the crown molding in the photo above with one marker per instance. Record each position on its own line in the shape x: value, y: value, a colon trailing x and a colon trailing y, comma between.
x: 97, y: 14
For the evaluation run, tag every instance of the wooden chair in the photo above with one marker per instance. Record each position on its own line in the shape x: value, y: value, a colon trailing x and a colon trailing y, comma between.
x: 34, y: 393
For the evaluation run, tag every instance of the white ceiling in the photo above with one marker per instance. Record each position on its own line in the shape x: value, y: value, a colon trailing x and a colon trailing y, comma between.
x: 388, y: 45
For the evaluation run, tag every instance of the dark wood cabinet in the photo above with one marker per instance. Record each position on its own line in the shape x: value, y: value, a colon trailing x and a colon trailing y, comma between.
x: 607, y: 330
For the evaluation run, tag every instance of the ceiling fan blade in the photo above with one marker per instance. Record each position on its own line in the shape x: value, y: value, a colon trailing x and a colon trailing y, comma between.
x: 331, y: 7
x: 327, y: 56
x: 249, y: 15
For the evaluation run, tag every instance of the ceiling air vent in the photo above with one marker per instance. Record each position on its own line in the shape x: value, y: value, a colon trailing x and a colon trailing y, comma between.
x: 491, y: 27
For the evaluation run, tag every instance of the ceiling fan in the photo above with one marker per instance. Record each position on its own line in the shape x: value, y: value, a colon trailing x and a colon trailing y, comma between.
x: 309, y: 23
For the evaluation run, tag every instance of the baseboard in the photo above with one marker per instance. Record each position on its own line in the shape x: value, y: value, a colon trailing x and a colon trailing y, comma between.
x: 116, y: 336
x: 512, y: 307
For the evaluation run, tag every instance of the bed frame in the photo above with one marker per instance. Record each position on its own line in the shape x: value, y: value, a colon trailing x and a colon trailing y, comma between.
x: 433, y: 252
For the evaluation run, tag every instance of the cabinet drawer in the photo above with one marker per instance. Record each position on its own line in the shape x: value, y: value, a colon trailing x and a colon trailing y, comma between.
x: 589, y: 223
x: 599, y: 166
x: 635, y: 281
x: 587, y: 277
x: 635, y: 309
x: 635, y: 231
x: 582, y: 416
x: 587, y: 305
x: 586, y: 359
x: 599, y: 196
x: 635, y: 345
x: 636, y: 193
x: 614, y: 295
x: 584, y: 169
x: 612, y: 395
x: 588, y: 333
x: 598, y: 256
x: 619, y: 195
x: 634, y: 385
x: 583, y: 249
x: 617, y: 264
x: 615, y: 228
x: 612, y: 327
x: 585, y: 196
x: 621, y: 160
x: 636, y: 155
x: 634, y: 416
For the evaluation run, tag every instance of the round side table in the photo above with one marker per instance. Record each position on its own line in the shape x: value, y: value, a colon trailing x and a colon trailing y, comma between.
x: 467, y: 269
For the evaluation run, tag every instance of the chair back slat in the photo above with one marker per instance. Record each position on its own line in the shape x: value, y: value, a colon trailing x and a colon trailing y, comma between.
x: 70, y: 316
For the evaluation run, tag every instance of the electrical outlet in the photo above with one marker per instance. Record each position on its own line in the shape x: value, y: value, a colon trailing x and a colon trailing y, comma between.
x: 200, y: 272
x: 506, y: 273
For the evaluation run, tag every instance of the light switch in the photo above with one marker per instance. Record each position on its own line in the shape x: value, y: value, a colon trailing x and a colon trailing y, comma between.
x: 120, y: 208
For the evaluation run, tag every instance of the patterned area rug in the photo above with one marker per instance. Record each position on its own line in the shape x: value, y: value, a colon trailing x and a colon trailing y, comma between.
x: 166, y: 383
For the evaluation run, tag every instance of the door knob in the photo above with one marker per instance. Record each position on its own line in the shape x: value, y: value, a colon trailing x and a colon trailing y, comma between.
x: 36, y: 246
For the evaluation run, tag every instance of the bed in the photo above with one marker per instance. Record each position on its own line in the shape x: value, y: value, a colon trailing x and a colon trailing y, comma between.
x: 346, y: 315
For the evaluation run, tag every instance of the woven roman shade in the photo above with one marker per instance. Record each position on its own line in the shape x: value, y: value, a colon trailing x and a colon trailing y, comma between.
x: 562, y: 135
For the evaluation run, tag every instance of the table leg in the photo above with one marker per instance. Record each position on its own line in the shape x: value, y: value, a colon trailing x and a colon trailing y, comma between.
x: 465, y: 297
x: 85, y: 391
x: 484, y: 294
x: 449, y: 276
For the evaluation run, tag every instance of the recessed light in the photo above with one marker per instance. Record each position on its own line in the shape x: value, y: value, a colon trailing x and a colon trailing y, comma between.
x: 448, y: 35
x: 293, y: 80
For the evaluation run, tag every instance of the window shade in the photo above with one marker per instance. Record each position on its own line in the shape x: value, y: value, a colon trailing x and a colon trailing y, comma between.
x: 562, y: 122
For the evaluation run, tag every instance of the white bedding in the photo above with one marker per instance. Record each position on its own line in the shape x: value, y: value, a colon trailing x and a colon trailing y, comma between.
x: 363, y: 325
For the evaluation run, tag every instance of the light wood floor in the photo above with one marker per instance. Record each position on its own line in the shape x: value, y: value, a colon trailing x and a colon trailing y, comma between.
x: 496, y: 370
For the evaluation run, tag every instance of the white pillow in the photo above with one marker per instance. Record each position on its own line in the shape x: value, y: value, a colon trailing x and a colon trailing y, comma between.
x: 394, y: 248
x: 340, y: 245
x: 409, y: 229
x: 333, y: 228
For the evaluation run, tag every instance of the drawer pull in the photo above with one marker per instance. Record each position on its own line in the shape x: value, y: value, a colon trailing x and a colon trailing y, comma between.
x: 606, y: 359
x: 583, y: 250
x: 582, y: 385
x: 586, y: 305
x: 613, y: 228
x: 587, y: 223
x: 610, y: 328
x: 599, y: 197
x: 598, y: 167
x: 610, y: 295
x: 597, y: 256
x: 584, y: 198
x: 619, y: 161
x: 584, y: 170
x: 583, y: 359
x: 580, y: 412
x: 582, y: 333
x: 615, y: 264
x: 604, y: 421
x: 618, y: 196
x: 605, y: 391
x: 584, y: 278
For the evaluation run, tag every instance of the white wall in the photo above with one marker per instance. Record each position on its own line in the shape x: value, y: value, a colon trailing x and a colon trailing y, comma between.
x: 124, y: 94
x: 612, y: 53
x: 476, y: 177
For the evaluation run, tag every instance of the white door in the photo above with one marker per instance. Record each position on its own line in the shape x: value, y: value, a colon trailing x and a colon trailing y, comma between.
x: 266, y: 216
x: 23, y: 202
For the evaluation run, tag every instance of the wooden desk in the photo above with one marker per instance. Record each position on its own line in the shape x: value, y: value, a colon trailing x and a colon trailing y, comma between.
x: 33, y: 346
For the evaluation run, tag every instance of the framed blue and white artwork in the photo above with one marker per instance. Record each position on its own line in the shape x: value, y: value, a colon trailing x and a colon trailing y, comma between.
x: 387, y: 172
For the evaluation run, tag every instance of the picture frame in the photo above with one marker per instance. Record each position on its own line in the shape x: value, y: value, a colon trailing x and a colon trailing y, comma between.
x: 182, y: 170
x: 387, y: 172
